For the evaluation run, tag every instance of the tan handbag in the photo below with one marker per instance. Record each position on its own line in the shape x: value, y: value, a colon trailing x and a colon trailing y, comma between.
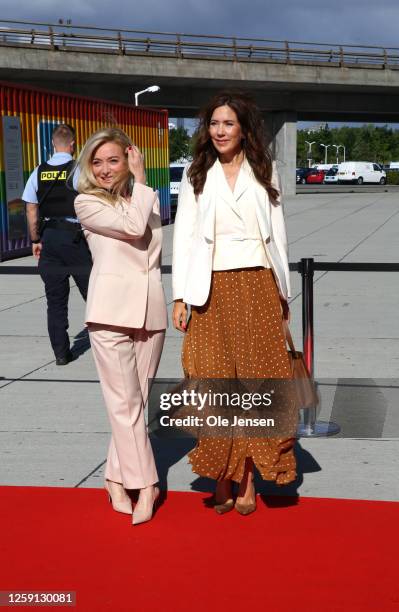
x: 305, y: 387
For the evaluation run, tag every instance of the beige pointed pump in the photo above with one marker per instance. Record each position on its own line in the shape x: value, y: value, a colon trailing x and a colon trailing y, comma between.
x: 118, y: 497
x: 145, y: 506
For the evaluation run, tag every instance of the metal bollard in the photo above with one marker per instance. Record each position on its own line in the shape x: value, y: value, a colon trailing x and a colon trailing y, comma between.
x: 309, y: 427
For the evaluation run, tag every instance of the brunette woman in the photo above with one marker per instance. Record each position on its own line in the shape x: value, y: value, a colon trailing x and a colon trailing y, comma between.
x: 230, y: 265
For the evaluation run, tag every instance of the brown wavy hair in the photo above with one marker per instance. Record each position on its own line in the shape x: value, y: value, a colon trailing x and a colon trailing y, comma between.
x: 254, y: 143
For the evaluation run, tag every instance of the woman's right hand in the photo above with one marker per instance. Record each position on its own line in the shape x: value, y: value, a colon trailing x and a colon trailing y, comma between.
x: 179, y: 315
x: 136, y: 164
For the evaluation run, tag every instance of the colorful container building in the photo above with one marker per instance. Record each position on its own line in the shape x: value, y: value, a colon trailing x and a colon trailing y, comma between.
x: 28, y: 119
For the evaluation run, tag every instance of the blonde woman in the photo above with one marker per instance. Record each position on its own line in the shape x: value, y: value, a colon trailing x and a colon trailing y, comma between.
x: 126, y: 310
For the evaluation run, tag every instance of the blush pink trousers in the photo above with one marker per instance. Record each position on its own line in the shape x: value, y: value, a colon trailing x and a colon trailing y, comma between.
x: 125, y: 359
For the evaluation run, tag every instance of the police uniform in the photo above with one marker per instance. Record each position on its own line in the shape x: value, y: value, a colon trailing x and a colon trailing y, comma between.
x: 64, y: 250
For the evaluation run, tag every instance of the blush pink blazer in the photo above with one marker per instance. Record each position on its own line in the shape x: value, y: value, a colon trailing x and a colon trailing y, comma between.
x: 125, y: 240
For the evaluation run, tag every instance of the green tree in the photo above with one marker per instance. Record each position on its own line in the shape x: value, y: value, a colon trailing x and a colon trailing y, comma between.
x: 364, y: 143
x: 179, y: 144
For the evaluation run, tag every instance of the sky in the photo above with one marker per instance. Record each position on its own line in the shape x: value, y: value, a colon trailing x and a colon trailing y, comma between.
x: 359, y: 22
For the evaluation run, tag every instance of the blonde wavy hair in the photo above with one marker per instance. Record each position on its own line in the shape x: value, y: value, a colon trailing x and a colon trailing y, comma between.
x: 87, y: 182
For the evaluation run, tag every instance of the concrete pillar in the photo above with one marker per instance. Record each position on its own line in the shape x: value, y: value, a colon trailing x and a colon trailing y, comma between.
x: 282, y: 128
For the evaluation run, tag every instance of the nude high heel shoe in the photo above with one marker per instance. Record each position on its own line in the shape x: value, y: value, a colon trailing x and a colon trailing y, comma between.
x: 124, y: 503
x: 245, y: 509
x: 242, y: 507
x: 143, y: 511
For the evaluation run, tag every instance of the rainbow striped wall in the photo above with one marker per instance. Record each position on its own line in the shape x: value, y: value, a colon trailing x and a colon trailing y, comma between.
x: 38, y: 112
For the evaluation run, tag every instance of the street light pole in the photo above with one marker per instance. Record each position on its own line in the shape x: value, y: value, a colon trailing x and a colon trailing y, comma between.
x: 344, y: 148
x: 336, y: 147
x: 325, y: 151
x: 310, y: 150
x: 151, y: 89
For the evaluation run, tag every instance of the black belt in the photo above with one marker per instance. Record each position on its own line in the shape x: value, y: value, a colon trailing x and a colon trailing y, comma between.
x: 60, y: 223
x: 63, y: 224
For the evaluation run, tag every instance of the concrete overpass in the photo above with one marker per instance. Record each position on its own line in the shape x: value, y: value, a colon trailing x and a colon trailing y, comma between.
x: 290, y: 81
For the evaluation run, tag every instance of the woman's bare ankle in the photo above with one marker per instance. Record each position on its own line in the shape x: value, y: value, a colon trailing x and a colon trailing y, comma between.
x: 223, y: 491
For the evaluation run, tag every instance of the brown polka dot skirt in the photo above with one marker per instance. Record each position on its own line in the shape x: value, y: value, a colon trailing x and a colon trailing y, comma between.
x: 238, y: 334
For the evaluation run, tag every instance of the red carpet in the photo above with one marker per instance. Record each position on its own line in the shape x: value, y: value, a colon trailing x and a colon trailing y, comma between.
x: 317, y: 555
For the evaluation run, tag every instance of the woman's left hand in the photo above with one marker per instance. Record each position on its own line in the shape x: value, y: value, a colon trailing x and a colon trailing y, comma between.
x: 179, y: 315
x: 136, y: 164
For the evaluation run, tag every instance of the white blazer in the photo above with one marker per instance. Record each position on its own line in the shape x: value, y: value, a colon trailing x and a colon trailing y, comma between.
x: 194, y: 231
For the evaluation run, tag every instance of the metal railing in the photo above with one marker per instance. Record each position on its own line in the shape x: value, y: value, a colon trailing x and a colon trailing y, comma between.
x: 88, y: 39
x: 311, y: 427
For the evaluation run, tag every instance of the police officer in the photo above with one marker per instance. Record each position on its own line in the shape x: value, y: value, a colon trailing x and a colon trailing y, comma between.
x: 57, y: 238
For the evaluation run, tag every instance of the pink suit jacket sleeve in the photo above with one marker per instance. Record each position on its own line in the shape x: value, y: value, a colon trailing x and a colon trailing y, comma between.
x: 102, y: 218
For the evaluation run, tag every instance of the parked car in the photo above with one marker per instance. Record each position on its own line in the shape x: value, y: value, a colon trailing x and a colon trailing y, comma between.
x: 175, y: 176
x: 331, y: 176
x: 301, y: 174
x: 361, y: 172
x: 309, y: 175
x: 391, y: 166
x: 315, y: 176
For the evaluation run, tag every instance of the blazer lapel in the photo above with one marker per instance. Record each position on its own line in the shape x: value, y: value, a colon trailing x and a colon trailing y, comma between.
x: 262, y: 208
x: 243, y: 180
x: 224, y: 190
x: 217, y: 186
x: 207, y: 204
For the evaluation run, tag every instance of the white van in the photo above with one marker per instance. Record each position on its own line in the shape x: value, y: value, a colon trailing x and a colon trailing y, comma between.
x: 361, y: 172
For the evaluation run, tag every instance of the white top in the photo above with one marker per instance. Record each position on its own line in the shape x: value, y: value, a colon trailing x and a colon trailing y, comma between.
x: 238, y: 241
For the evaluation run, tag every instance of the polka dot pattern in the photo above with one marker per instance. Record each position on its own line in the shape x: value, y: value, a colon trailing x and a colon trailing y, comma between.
x: 238, y: 333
